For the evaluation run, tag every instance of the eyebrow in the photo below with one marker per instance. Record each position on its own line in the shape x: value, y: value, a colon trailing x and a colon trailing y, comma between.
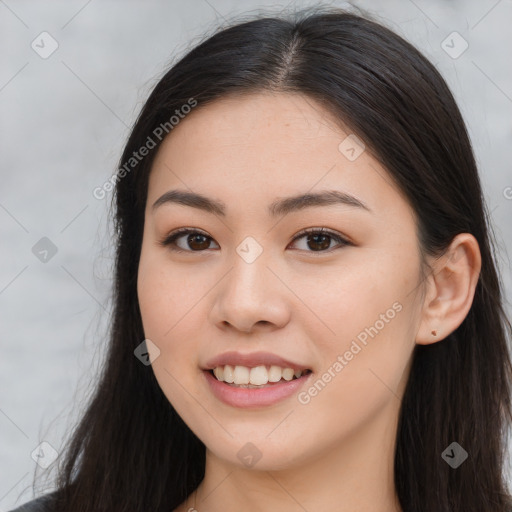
x: 281, y: 206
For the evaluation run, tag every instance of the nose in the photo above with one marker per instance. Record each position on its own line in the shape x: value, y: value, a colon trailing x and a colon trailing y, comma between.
x: 251, y: 297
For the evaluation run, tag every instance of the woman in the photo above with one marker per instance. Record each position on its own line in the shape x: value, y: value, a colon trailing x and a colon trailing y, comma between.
x: 308, y: 314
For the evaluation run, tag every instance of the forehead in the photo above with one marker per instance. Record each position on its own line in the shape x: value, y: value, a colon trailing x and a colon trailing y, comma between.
x: 250, y: 149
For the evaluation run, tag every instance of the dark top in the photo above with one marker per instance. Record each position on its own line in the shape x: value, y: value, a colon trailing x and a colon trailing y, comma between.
x: 41, y: 504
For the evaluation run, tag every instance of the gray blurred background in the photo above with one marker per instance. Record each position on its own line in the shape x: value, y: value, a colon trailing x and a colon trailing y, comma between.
x: 73, y: 78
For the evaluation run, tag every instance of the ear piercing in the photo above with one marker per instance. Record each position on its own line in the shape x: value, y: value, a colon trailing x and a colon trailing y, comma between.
x: 434, y: 333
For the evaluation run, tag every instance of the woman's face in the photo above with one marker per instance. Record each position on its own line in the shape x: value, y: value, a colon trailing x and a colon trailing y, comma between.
x: 250, y: 291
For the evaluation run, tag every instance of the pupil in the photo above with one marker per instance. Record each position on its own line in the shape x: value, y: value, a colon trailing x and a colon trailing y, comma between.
x: 193, y: 238
x: 324, y: 245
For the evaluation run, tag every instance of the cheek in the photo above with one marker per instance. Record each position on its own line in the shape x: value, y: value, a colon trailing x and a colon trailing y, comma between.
x: 164, y: 295
x: 368, y: 311
x: 357, y: 293
x: 166, y: 318
x: 358, y: 379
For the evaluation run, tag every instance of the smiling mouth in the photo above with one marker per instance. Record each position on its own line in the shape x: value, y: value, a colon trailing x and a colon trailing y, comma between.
x: 256, y: 377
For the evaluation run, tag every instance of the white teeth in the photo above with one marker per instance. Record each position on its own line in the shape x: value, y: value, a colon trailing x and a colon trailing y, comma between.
x: 241, y: 375
x: 275, y: 373
x: 257, y: 376
x: 228, y: 374
x: 288, y: 374
x: 219, y: 372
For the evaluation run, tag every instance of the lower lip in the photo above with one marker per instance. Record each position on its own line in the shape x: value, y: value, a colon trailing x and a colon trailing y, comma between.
x: 245, y: 398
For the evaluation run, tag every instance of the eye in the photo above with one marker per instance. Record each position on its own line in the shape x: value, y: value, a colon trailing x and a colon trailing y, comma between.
x: 197, y: 240
x: 318, y: 239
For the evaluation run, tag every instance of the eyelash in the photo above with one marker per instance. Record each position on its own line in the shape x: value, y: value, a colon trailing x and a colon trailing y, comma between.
x: 169, y: 241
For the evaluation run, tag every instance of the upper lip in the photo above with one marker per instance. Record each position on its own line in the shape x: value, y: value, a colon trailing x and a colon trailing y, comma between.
x: 252, y: 360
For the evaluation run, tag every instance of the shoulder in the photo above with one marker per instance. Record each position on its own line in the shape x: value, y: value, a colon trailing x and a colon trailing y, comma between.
x: 42, y: 504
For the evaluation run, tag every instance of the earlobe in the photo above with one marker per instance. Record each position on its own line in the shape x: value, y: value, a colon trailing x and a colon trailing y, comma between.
x: 451, y: 286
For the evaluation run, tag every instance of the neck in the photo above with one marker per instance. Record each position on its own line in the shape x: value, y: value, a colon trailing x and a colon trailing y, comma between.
x: 355, y: 474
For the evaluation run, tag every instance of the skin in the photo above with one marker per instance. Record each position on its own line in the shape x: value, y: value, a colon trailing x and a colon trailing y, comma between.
x: 334, y: 453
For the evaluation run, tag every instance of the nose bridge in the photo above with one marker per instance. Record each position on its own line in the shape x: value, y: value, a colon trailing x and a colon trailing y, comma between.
x: 249, y: 275
x: 250, y: 291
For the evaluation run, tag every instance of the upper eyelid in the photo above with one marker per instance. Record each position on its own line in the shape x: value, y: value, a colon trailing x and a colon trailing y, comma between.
x: 305, y: 231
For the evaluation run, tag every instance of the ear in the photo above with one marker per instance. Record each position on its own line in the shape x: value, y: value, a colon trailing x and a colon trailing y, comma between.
x: 450, y: 289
